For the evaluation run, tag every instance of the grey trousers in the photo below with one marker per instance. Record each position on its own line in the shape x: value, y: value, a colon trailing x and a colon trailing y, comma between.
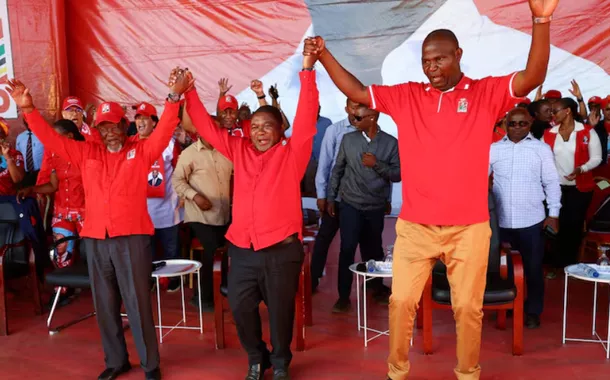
x: 120, y: 270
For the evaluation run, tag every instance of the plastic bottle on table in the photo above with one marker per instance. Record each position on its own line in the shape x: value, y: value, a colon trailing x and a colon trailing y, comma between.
x: 371, y: 266
x: 588, y: 270
x: 389, y: 253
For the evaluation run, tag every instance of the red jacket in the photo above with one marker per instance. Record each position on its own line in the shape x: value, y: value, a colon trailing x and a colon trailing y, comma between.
x: 115, y: 183
x: 584, y: 181
x: 267, y: 199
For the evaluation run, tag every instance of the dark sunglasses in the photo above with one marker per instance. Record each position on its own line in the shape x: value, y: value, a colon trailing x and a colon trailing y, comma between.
x: 557, y: 110
x: 360, y: 118
x: 522, y: 123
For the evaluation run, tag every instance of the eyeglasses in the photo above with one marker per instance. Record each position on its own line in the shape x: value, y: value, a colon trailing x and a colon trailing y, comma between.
x: 74, y: 110
x: 360, y: 118
x: 557, y: 110
x: 522, y: 123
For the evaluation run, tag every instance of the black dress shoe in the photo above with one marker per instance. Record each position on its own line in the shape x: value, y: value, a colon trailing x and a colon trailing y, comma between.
x: 257, y: 372
x: 113, y: 373
x: 155, y: 374
x: 532, y: 321
x: 280, y: 374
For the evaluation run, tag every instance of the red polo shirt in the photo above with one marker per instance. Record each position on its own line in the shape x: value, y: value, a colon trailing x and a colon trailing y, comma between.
x: 91, y: 134
x: 443, y: 140
x: 114, y: 183
x: 267, y: 195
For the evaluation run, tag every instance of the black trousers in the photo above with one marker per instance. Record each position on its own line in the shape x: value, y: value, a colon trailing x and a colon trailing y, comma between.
x: 366, y: 228
x: 326, y: 234
x: 574, y: 205
x: 211, y: 238
x: 120, y: 271
x: 530, y: 243
x: 270, y: 275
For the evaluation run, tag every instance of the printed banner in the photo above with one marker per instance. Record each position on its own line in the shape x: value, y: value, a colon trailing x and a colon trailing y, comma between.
x: 8, y: 109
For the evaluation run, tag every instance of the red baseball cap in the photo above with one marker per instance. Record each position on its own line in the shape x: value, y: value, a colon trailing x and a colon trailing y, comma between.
x: 227, y: 101
x: 145, y: 109
x: 109, y: 112
x: 604, y: 103
x: 595, y: 100
x: 72, y: 101
x: 552, y: 94
x: 523, y: 100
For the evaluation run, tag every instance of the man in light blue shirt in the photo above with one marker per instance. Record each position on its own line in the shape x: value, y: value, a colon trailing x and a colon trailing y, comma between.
x: 328, y: 151
x: 524, y: 176
x: 32, y: 150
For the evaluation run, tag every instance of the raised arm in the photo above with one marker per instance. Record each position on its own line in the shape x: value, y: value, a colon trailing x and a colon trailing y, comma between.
x: 205, y: 125
x: 540, y: 50
x: 343, y: 79
x: 66, y: 148
x: 180, y: 80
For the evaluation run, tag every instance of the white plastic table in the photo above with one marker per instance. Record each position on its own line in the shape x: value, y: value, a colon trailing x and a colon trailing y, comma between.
x: 175, y: 268
x: 572, y: 271
x: 367, y: 276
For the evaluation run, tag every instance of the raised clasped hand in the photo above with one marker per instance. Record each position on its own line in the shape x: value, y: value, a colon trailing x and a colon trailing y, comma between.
x: 543, y: 8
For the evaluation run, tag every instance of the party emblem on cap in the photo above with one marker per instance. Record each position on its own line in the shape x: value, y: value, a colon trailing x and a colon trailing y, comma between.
x: 228, y: 98
x: 73, y: 100
x: 142, y: 106
x: 105, y: 108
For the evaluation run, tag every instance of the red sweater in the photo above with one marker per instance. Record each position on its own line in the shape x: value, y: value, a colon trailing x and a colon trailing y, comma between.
x: 267, y: 205
x: 114, y: 183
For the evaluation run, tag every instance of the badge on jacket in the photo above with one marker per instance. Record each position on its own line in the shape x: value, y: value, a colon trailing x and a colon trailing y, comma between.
x: 462, y: 105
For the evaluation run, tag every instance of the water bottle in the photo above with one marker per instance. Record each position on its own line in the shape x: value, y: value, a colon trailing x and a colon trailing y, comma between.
x: 389, y: 251
x: 371, y: 266
x: 589, y: 271
x: 603, y: 260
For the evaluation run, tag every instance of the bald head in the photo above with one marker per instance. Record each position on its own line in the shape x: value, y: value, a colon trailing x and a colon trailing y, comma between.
x: 442, y: 35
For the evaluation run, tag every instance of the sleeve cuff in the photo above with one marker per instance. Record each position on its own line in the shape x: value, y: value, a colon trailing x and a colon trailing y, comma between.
x: 554, y: 212
x: 190, y: 194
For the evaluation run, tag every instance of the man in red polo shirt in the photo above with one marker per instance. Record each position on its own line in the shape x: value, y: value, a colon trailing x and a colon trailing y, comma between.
x: 265, y: 248
x: 446, y: 125
x: 72, y: 109
x: 117, y: 228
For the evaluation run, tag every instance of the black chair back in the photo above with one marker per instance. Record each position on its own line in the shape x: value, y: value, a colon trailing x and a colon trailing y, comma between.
x: 11, y: 233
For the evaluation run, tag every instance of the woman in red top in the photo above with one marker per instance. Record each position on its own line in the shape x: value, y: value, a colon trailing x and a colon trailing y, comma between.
x: 60, y: 177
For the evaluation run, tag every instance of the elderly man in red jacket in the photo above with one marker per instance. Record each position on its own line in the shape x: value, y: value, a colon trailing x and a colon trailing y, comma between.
x: 118, y: 228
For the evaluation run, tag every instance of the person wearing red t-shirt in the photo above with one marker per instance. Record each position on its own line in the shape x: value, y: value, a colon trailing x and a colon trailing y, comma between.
x: 117, y: 229
x: 72, y: 109
x: 445, y: 124
x: 62, y: 178
x: 266, y: 231
x: 12, y: 170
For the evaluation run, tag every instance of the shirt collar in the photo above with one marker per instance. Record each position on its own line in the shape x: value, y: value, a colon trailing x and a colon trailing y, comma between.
x: 464, y: 84
x: 528, y: 137
x: 577, y: 127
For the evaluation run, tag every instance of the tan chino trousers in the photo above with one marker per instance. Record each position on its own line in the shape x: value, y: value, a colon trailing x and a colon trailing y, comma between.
x: 465, y: 252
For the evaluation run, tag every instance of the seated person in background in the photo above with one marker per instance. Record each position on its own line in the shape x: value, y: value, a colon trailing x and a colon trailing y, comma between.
x: 63, y: 178
x: 203, y: 179
x: 366, y: 167
x: 524, y: 175
x: 265, y: 234
x: 12, y: 170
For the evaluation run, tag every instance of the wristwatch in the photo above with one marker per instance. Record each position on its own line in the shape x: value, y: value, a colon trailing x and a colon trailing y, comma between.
x: 542, y: 20
x: 263, y: 96
x: 308, y: 69
x: 173, y: 97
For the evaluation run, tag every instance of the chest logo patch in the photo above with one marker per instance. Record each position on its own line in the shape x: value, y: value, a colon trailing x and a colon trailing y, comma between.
x: 585, y: 140
x: 462, y: 106
x: 131, y: 154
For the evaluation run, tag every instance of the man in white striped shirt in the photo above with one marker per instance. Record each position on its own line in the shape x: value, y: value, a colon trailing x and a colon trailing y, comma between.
x: 524, y: 176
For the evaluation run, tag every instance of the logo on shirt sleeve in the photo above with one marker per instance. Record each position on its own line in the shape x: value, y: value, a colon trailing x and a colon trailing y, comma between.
x: 131, y: 154
x: 463, y: 105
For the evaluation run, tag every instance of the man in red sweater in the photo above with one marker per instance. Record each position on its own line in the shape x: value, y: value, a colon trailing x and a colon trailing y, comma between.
x: 265, y: 234
x: 117, y: 228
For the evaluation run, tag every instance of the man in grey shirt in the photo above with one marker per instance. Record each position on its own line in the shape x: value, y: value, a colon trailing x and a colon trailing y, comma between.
x: 366, y: 166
